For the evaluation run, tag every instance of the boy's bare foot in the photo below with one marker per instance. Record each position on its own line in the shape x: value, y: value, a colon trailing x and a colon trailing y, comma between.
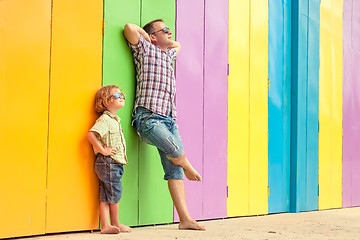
x: 191, y: 225
x: 110, y: 230
x: 192, y: 174
x: 123, y: 228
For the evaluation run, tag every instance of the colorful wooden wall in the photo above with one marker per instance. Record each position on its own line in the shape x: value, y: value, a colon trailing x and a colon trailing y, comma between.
x: 267, y: 98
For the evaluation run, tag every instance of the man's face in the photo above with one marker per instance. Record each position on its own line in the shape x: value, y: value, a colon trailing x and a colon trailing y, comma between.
x: 159, y: 37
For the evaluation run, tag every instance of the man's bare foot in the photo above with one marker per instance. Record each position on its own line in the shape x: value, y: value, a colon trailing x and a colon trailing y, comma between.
x: 123, y: 228
x: 191, y: 225
x: 192, y: 174
x: 110, y: 230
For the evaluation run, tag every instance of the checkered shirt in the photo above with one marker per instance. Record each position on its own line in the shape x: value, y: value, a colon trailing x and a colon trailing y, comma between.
x: 109, y: 134
x: 155, y: 88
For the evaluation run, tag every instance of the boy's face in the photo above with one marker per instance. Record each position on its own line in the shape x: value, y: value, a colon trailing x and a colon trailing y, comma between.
x: 116, y: 102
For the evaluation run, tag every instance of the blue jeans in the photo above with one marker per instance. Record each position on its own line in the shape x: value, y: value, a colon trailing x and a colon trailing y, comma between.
x: 109, y: 173
x: 161, y: 132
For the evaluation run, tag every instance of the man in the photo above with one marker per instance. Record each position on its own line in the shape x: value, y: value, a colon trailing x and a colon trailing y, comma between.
x: 154, y: 112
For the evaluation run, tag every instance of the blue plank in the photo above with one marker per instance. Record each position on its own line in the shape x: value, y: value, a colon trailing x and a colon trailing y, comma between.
x: 279, y: 120
x: 287, y: 101
x: 294, y: 103
x: 313, y: 106
x: 305, y: 105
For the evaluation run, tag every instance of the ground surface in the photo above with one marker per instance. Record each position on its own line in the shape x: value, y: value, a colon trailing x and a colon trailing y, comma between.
x: 341, y: 224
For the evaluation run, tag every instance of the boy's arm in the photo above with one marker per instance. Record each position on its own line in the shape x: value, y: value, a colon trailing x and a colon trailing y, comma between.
x: 132, y: 33
x: 177, y: 46
x: 107, y: 151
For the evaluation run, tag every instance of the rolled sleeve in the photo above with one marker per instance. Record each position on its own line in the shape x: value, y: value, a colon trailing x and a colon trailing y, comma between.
x: 101, y: 127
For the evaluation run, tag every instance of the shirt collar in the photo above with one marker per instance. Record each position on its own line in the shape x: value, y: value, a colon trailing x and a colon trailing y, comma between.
x: 116, y: 117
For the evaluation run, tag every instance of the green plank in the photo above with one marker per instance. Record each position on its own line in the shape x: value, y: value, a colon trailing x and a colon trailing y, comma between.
x: 118, y: 69
x: 155, y: 204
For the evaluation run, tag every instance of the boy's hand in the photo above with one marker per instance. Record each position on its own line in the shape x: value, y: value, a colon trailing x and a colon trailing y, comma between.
x: 109, y: 151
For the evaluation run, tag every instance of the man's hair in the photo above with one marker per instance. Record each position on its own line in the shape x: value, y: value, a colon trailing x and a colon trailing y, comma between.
x: 149, y: 27
x: 102, y: 98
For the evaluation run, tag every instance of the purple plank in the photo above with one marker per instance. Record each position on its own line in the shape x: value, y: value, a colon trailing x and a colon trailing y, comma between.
x: 355, y: 73
x: 189, y: 98
x: 351, y: 104
x: 347, y: 96
x: 355, y: 166
x: 215, y: 109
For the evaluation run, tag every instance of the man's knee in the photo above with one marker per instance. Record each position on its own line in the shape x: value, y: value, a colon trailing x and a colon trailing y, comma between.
x: 178, y: 160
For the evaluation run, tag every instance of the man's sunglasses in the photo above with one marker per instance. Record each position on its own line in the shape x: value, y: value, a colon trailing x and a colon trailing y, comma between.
x: 118, y: 95
x: 166, y: 30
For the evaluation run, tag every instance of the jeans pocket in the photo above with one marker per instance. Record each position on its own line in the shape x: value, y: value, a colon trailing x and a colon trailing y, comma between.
x: 100, y: 170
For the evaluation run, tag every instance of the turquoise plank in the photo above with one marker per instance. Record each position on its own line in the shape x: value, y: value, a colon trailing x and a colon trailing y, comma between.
x: 313, y: 106
x: 279, y: 107
x: 305, y: 105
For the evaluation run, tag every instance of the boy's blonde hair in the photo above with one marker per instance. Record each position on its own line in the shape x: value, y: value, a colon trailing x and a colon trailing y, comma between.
x: 102, y: 97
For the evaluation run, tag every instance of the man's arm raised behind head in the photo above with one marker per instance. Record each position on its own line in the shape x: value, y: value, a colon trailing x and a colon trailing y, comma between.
x: 132, y: 33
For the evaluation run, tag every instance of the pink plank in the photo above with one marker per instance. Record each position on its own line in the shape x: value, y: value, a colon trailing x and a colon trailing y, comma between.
x: 351, y: 104
x: 347, y: 96
x: 189, y: 98
x: 215, y: 109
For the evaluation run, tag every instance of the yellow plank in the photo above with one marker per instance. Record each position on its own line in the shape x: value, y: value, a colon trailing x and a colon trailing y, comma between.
x: 76, y: 63
x: 258, y: 178
x: 238, y: 109
x: 24, y: 86
x: 337, y: 76
x: 330, y: 105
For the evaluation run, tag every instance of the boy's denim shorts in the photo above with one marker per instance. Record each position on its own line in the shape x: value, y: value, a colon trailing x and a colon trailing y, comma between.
x: 163, y: 133
x: 109, y: 173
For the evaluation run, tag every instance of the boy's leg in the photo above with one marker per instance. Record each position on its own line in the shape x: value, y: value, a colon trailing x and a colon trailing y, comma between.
x: 104, y: 218
x: 114, y: 217
x: 177, y: 191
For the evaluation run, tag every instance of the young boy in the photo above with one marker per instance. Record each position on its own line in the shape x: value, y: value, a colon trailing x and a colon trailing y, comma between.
x: 108, y: 142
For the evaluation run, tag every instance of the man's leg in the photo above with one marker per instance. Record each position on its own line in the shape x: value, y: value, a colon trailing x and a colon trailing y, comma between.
x: 177, y: 191
x: 189, y: 171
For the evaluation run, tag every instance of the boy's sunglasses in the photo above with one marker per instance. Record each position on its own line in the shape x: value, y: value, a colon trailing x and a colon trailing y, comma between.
x: 166, y: 30
x: 118, y: 95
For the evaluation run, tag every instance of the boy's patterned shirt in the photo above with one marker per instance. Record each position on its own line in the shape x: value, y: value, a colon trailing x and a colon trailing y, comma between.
x: 155, y: 88
x: 109, y: 134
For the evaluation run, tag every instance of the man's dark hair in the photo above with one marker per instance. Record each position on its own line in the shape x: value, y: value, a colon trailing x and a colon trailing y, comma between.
x: 149, y: 27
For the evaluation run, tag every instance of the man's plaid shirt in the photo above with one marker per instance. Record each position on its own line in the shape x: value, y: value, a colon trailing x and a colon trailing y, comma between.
x: 155, y: 89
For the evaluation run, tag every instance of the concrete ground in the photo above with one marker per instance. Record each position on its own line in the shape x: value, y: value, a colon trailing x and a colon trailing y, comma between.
x: 341, y: 224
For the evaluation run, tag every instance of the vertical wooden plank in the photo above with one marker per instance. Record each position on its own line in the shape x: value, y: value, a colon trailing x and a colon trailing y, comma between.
x: 325, y: 89
x: 347, y: 105
x: 238, y: 109
x: 355, y: 73
x: 155, y: 205
x: 312, y: 108
x: 330, y: 112
x: 298, y: 106
x: 75, y: 76
x: 337, y: 8
x: 304, y: 147
x: 258, y: 176
x: 279, y: 132
x: 351, y: 100
x: 24, y: 95
x: 118, y: 69
x: 189, y: 96
x: 215, y: 109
